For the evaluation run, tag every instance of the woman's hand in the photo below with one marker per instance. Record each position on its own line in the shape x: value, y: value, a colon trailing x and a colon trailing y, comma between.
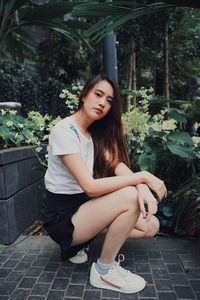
x: 145, y: 197
x: 155, y: 184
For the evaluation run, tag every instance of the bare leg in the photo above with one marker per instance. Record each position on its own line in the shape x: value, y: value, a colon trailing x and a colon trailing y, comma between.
x: 145, y: 228
x: 111, y: 212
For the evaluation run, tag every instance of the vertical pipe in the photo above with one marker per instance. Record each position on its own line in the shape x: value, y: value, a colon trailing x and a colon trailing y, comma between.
x: 110, y: 55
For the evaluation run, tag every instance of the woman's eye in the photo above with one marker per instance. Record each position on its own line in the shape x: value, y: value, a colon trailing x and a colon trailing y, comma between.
x: 109, y: 101
x: 98, y: 95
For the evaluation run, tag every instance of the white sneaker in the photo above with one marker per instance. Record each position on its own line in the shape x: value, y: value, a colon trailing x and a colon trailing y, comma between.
x: 117, y: 279
x: 79, y: 258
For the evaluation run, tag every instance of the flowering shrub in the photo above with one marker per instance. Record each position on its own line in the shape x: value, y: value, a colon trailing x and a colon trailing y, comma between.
x: 70, y: 96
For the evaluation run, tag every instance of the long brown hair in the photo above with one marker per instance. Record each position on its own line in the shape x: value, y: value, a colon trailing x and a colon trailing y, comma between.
x: 107, y: 133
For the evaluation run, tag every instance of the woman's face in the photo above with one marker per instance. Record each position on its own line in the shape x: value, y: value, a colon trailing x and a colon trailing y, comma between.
x: 98, y: 101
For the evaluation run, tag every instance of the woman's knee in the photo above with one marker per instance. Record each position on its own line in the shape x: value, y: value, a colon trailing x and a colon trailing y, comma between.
x: 153, y: 227
x: 129, y: 194
x: 129, y: 197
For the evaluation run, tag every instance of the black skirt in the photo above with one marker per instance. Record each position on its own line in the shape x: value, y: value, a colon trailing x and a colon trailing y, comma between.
x: 57, y: 214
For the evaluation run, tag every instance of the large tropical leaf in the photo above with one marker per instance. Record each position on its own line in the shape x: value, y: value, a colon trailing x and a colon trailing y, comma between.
x: 180, y: 151
x: 117, y: 14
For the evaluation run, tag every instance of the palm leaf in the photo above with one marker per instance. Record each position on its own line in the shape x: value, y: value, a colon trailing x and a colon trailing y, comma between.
x: 62, y: 28
x: 100, y: 29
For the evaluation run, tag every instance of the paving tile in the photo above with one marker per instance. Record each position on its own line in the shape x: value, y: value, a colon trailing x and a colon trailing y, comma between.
x: 157, y: 263
x: 163, y: 285
x: 55, y: 295
x: 148, y: 278
x: 78, y: 278
x: 34, y: 271
x: 3, y: 258
x: 35, y: 298
x: 7, y: 288
x: 4, y: 272
x: 10, y: 263
x: 142, y: 268
x: 44, y: 254
x: 28, y: 258
x: 17, y: 255
x: 60, y: 284
x: 175, y: 268
x: 195, y: 285
x: 75, y: 290
x: 54, y: 258
x: 141, y: 259
x: 22, y: 266
x: 129, y: 296
x: 70, y: 298
x: 51, y: 266
x: 82, y: 268
x: 128, y: 264
x: 40, y: 289
x: 171, y: 258
x: 46, y: 277
x: 167, y: 296
x: 149, y: 292
x: 154, y: 254
x: 15, y: 276
x: 27, y: 283
x: 184, y: 292
x: 193, y: 273
x: 91, y: 295
x: 20, y: 294
x: 110, y: 294
x: 180, y: 279
x: 160, y: 273
x: 198, y: 295
x: 39, y: 262
x: 8, y: 250
x: 64, y: 272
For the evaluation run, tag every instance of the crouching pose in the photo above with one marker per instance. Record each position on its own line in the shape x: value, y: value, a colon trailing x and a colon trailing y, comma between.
x: 90, y: 188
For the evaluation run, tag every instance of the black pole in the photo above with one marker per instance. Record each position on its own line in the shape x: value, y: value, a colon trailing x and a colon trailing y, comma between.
x: 110, y: 55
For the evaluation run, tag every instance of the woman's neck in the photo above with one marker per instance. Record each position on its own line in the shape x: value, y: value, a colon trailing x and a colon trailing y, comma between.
x: 82, y: 121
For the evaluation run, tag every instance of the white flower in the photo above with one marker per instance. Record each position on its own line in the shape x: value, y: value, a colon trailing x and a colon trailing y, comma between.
x: 9, y: 123
x: 3, y: 112
x: 21, y: 125
x: 13, y: 112
x: 38, y: 149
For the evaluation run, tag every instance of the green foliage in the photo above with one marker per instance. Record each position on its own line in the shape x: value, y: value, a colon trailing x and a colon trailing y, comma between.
x: 16, y: 16
x: 16, y: 131
x: 33, y: 93
x: 70, y: 96
x: 157, y: 145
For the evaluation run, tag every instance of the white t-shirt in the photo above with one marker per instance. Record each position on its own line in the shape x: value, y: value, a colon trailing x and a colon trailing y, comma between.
x: 66, y: 138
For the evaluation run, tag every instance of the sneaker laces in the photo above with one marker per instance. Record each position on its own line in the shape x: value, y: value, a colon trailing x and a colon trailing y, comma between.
x: 121, y: 270
x: 81, y: 252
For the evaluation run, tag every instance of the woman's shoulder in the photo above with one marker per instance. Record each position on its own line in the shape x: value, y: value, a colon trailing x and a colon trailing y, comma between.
x: 63, y: 124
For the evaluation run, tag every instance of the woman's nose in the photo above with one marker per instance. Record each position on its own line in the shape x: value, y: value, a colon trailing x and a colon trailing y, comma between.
x: 102, y: 102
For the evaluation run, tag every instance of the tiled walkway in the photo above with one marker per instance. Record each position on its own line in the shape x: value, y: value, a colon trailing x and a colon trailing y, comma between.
x: 32, y: 270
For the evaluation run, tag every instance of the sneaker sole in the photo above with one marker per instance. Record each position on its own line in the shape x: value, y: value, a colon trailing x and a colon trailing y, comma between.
x: 110, y: 287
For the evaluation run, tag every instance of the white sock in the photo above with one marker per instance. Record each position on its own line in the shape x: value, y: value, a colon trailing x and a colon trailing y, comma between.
x: 103, y: 269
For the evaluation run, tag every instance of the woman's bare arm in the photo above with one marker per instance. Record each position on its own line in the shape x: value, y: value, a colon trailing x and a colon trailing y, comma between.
x: 97, y: 187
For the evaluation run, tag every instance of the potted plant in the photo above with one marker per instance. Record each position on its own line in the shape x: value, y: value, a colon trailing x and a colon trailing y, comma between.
x: 22, y: 168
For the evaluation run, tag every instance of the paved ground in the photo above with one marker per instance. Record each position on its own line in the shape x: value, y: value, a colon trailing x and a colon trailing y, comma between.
x: 32, y: 270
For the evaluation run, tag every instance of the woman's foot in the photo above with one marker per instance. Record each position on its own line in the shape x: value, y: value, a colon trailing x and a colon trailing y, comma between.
x: 117, y: 279
x: 80, y: 257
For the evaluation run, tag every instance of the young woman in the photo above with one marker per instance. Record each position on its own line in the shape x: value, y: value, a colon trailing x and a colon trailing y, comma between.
x: 90, y: 188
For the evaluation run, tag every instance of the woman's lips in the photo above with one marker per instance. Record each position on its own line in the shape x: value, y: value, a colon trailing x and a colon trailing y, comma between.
x: 98, y: 110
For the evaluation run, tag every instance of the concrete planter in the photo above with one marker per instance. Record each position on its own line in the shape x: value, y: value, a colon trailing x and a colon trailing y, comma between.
x: 21, y: 191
